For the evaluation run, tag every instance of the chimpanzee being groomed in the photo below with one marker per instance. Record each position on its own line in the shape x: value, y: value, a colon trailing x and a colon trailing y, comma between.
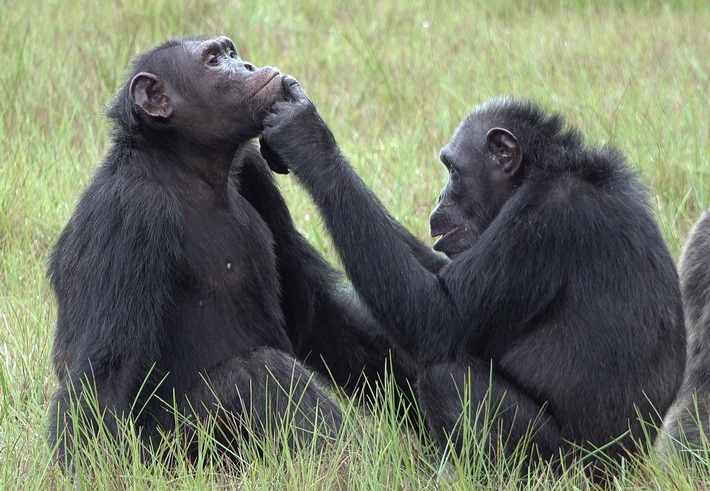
x: 559, y: 304
x: 180, y: 277
x: 688, y: 423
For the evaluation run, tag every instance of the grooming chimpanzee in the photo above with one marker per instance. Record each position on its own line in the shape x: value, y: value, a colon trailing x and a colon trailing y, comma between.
x: 180, y: 276
x: 559, y: 301
x: 689, y: 420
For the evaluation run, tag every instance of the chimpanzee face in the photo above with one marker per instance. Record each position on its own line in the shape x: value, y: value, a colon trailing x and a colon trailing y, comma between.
x: 205, y: 91
x: 482, y: 160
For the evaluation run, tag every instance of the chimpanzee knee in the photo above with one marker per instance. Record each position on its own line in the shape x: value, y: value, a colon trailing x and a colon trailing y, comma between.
x: 262, y: 394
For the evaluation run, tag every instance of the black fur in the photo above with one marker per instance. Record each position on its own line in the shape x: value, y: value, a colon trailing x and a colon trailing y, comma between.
x: 181, y: 261
x: 559, y: 280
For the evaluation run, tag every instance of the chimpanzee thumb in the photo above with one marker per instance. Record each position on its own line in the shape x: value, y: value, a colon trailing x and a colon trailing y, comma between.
x: 276, y: 164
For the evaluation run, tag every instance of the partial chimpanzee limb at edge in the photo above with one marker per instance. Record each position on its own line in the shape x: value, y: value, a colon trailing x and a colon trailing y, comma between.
x: 688, y: 423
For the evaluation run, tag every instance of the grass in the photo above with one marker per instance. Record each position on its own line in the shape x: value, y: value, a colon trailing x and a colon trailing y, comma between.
x: 393, y: 79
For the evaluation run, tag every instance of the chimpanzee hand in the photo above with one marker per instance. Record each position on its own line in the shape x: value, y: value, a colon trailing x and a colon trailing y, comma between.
x: 294, y: 134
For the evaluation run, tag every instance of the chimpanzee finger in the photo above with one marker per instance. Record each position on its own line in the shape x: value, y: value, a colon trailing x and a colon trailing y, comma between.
x: 293, y: 89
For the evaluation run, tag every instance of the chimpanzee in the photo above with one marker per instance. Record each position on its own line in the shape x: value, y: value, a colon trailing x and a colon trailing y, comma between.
x: 688, y: 423
x: 180, y: 277
x: 559, y: 303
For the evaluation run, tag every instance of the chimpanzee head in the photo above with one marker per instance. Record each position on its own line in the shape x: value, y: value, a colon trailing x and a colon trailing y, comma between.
x: 499, y: 147
x: 483, y: 160
x: 198, y: 90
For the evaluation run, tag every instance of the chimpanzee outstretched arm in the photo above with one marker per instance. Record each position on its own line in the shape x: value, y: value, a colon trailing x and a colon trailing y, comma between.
x: 407, y: 298
x: 399, y: 290
x: 431, y: 260
x: 329, y: 327
x: 113, y: 272
x: 260, y: 190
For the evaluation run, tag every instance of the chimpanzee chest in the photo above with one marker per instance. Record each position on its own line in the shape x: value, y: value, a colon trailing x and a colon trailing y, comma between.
x: 230, y: 286
x: 227, y: 300
x: 234, y: 249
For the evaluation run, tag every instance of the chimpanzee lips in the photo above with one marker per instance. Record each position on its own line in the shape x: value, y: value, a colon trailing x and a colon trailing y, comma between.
x: 442, y: 234
x: 272, y: 73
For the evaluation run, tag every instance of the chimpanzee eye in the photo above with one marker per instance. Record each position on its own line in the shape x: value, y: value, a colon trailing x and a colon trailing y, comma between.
x: 212, y: 60
x: 233, y: 54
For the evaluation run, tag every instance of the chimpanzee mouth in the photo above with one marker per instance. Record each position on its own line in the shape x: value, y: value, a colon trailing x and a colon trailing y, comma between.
x: 442, y: 235
x: 273, y: 73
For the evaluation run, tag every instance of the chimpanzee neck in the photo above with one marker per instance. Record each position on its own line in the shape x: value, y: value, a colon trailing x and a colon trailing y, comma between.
x: 210, y: 163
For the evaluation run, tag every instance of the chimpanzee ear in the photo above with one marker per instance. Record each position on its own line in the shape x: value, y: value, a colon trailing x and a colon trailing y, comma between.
x: 504, y: 147
x: 148, y: 92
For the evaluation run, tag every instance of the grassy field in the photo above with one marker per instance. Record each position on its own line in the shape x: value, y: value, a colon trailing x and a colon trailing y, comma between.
x: 393, y: 79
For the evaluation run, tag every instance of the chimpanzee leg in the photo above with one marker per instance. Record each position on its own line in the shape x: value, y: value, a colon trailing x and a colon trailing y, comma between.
x: 496, y: 409
x: 262, y: 393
